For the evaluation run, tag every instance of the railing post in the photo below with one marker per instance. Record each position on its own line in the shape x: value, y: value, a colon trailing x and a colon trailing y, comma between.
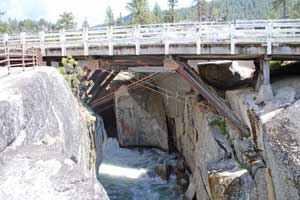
x: 166, y: 38
x: 7, y: 59
x: 198, y: 34
x: 137, y: 39
x: 269, y: 29
x: 23, y: 38
x: 33, y: 60
x: 23, y: 46
x: 232, y: 35
x: 42, y: 42
x: 85, y: 38
x: 109, y: 34
x: 62, y: 36
x: 5, y: 39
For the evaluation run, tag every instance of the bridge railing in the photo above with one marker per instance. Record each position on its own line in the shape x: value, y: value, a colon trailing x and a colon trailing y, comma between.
x: 19, y: 57
x: 265, y: 32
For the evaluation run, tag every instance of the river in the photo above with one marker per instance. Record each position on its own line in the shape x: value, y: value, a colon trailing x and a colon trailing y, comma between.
x: 128, y: 174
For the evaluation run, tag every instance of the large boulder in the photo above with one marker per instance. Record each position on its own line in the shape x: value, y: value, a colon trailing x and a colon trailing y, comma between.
x: 226, y: 74
x: 228, y: 181
x: 282, y: 152
x: 141, y: 119
x: 48, y: 141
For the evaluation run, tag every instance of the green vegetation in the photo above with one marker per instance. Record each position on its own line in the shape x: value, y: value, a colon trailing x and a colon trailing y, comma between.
x: 243, y: 166
x: 66, y: 21
x: 221, y: 124
x: 157, y: 14
x: 74, y: 75
x: 120, y: 20
x: 110, y: 20
x: 140, y: 13
x: 171, y: 14
x: 85, y: 24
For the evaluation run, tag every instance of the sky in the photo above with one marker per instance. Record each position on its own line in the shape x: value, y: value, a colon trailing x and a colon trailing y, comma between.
x: 92, y: 10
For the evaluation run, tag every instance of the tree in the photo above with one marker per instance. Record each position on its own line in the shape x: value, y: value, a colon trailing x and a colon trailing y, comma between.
x: 281, y: 6
x: 157, y: 14
x: 110, y: 20
x: 120, y: 20
x: 172, y: 13
x: 1, y: 14
x: 139, y: 12
x: 66, y: 21
x: 85, y: 24
x: 3, y: 25
x: 201, y: 8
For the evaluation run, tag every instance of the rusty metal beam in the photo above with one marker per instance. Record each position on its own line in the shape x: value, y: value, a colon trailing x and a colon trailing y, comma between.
x: 100, y: 89
x: 187, y: 72
x: 153, y: 61
x: 98, y: 79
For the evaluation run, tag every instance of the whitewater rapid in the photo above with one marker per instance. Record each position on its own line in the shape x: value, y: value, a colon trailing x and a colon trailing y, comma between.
x: 128, y: 174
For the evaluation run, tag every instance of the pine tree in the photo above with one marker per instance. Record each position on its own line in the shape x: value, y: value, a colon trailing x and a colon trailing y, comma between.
x: 139, y: 12
x: 85, y: 23
x: 201, y: 10
x: 157, y: 14
x: 1, y: 14
x: 172, y: 13
x: 120, y: 20
x: 110, y: 20
x: 281, y: 6
x: 66, y: 21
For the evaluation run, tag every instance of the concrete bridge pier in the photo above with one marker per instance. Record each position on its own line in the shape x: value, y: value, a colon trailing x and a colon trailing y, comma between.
x: 265, y: 91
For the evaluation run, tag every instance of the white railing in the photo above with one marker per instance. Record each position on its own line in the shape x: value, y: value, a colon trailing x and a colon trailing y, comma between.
x: 19, y: 57
x: 265, y: 32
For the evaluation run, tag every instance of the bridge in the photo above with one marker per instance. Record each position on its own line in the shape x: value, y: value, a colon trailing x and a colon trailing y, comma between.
x: 237, y: 39
x: 115, y: 48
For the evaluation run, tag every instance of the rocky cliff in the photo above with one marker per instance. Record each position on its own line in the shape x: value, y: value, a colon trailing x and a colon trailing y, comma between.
x: 49, y: 147
x: 223, y: 163
x: 275, y: 132
x: 141, y: 119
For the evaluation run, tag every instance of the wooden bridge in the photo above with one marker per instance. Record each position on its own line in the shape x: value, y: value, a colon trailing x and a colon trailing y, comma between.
x: 237, y: 39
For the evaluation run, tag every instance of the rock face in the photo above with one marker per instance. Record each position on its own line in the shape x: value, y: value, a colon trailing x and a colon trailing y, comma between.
x: 141, y: 119
x: 208, y: 152
x: 47, y: 144
x: 282, y: 146
x: 275, y: 132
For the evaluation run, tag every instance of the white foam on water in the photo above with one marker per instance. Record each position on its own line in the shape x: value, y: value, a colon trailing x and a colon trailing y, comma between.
x: 128, y: 173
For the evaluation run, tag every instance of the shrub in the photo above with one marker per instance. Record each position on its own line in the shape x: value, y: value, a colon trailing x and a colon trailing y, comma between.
x: 74, y: 75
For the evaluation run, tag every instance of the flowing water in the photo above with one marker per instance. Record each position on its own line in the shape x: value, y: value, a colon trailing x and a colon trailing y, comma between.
x: 128, y: 174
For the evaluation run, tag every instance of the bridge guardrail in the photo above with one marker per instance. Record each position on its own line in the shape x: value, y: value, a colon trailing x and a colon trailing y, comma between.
x: 265, y: 32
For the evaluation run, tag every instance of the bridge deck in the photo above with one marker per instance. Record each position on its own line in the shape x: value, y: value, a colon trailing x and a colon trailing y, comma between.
x: 239, y: 38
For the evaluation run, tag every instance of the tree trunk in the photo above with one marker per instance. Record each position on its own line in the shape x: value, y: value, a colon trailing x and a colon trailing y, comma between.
x: 199, y: 10
x: 284, y: 13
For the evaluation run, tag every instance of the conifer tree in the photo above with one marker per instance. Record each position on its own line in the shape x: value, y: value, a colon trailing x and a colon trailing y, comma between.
x: 110, y: 20
x: 139, y: 12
